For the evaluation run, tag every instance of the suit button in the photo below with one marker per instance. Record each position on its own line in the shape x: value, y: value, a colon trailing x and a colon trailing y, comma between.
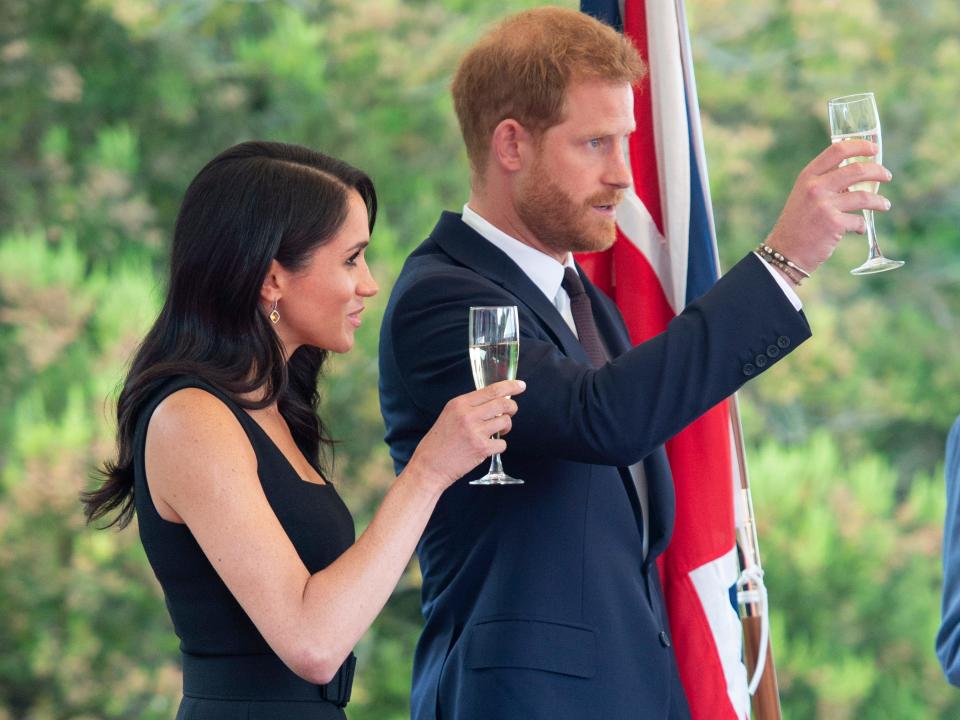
x: 664, y: 640
x: 749, y: 369
x: 783, y: 341
x: 773, y: 351
x: 760, y: 361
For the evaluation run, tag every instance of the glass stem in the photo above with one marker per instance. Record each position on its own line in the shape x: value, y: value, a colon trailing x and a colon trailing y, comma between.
x: 873, y: 249
x: 496, y: 467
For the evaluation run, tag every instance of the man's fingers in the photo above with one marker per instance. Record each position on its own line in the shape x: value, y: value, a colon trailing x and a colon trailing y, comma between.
x: 840, y: 151
x: 840, y: 179
x: 500, y: 424
x: 496, y: 445
x: 861, y: 200
x: 853, y: 223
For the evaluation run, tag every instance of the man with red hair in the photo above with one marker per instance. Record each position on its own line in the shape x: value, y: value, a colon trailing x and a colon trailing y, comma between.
x: 542, y: 600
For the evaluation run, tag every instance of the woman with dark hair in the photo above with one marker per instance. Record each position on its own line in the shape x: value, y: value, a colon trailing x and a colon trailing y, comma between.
x: 220, y: 443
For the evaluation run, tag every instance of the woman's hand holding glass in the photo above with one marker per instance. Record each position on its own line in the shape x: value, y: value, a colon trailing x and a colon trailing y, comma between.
x: 466, y: 432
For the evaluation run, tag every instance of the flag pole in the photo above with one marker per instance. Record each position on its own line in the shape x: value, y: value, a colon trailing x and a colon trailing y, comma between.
x: 752, y: 594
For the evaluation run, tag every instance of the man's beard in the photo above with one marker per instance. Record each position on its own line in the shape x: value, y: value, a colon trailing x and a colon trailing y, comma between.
x: 560, y: 223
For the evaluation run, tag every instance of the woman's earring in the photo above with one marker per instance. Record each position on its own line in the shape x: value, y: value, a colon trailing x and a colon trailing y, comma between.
x: 274, y: 314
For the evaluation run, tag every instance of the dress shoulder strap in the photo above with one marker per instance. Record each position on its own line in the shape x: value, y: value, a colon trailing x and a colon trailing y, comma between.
x: 181, y: 382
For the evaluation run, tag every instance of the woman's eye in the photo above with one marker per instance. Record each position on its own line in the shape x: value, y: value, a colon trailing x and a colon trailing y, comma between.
x: 352, y: 260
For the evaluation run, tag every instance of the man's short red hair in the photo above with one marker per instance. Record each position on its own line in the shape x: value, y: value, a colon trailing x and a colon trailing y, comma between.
x: 522, y: 67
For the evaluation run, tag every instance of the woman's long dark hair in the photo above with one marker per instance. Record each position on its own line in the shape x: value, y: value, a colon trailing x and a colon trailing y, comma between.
x: 253, y: 203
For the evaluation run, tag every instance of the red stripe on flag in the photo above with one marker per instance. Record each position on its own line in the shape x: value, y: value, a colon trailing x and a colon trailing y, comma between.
x: 599, y: 268
x: 639, y: 294
x: 699, y: 457
x: 703, y: 530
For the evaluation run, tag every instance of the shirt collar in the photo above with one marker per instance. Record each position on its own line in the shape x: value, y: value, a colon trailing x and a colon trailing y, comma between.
x: 545, y: 272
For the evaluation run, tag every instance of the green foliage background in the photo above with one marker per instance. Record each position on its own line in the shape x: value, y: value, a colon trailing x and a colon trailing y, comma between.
x: 110, y: 106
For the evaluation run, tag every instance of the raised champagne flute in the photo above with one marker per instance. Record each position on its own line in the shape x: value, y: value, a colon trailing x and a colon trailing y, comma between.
x: 855, y: 117
x: 494, y: 350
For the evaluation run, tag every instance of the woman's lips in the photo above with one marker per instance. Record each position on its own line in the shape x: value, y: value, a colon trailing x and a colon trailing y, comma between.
x: 354, y: 317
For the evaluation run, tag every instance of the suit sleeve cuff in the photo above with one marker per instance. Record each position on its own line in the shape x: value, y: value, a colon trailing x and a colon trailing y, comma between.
x: 784, y: 285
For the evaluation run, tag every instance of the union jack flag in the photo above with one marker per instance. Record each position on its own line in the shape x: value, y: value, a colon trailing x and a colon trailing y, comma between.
x: 665, y: 257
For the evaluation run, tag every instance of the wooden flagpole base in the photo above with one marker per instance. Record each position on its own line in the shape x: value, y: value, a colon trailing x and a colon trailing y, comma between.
x: 766, y: 701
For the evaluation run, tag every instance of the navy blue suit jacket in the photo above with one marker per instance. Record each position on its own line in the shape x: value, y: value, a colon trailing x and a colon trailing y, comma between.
x: 537, y: 601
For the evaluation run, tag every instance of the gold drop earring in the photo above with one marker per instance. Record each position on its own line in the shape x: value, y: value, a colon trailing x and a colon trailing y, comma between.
x: 274, y: 313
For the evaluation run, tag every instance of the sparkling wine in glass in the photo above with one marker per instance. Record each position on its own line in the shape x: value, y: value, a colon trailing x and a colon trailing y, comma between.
x: 494, y: 345
x: 855, y: 117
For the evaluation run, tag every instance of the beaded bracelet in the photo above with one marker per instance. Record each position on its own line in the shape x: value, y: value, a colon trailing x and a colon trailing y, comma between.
x: 794, y: 278
x: 793, y: 271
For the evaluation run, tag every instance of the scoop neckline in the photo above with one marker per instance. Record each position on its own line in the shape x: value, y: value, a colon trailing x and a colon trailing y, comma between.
x: 284, y: 458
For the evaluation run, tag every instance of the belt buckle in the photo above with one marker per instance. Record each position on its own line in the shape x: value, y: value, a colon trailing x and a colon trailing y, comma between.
x: 338, y: 690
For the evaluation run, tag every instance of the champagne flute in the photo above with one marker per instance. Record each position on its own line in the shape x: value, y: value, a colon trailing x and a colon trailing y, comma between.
x: 494, y: 345
x: 855, y: 117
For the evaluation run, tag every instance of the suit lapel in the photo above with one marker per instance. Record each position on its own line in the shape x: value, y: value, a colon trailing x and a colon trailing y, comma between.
x: 469, y: 248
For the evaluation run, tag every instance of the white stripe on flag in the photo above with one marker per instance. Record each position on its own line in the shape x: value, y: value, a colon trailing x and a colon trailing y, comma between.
x: 672, y: 140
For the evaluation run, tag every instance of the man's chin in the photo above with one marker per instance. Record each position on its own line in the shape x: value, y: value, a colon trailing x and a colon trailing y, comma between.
x: 597, y: 243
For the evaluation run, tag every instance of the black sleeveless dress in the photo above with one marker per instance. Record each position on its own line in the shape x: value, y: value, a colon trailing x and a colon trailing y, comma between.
x: 229, y: 670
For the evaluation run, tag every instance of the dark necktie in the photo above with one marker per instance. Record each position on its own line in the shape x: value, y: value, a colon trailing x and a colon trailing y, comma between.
x: 582, y: 312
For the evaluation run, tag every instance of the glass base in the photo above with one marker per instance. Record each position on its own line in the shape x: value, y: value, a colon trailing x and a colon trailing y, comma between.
x: 877, y: 265
x: 496, y: 479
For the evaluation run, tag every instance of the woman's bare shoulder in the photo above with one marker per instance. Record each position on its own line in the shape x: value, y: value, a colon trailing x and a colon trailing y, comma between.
x: 193, y: 427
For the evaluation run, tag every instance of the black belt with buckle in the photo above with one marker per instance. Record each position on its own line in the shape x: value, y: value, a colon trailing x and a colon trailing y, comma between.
x: 337, y: 691
x: 260, y: 677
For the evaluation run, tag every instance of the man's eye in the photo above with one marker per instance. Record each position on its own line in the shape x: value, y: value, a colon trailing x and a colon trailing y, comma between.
x: 596, y: 142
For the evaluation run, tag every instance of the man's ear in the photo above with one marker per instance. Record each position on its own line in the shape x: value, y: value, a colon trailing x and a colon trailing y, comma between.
x: 510, y: 145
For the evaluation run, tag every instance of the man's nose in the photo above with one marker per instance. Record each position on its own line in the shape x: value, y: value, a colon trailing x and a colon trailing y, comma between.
x: 618, y: 170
